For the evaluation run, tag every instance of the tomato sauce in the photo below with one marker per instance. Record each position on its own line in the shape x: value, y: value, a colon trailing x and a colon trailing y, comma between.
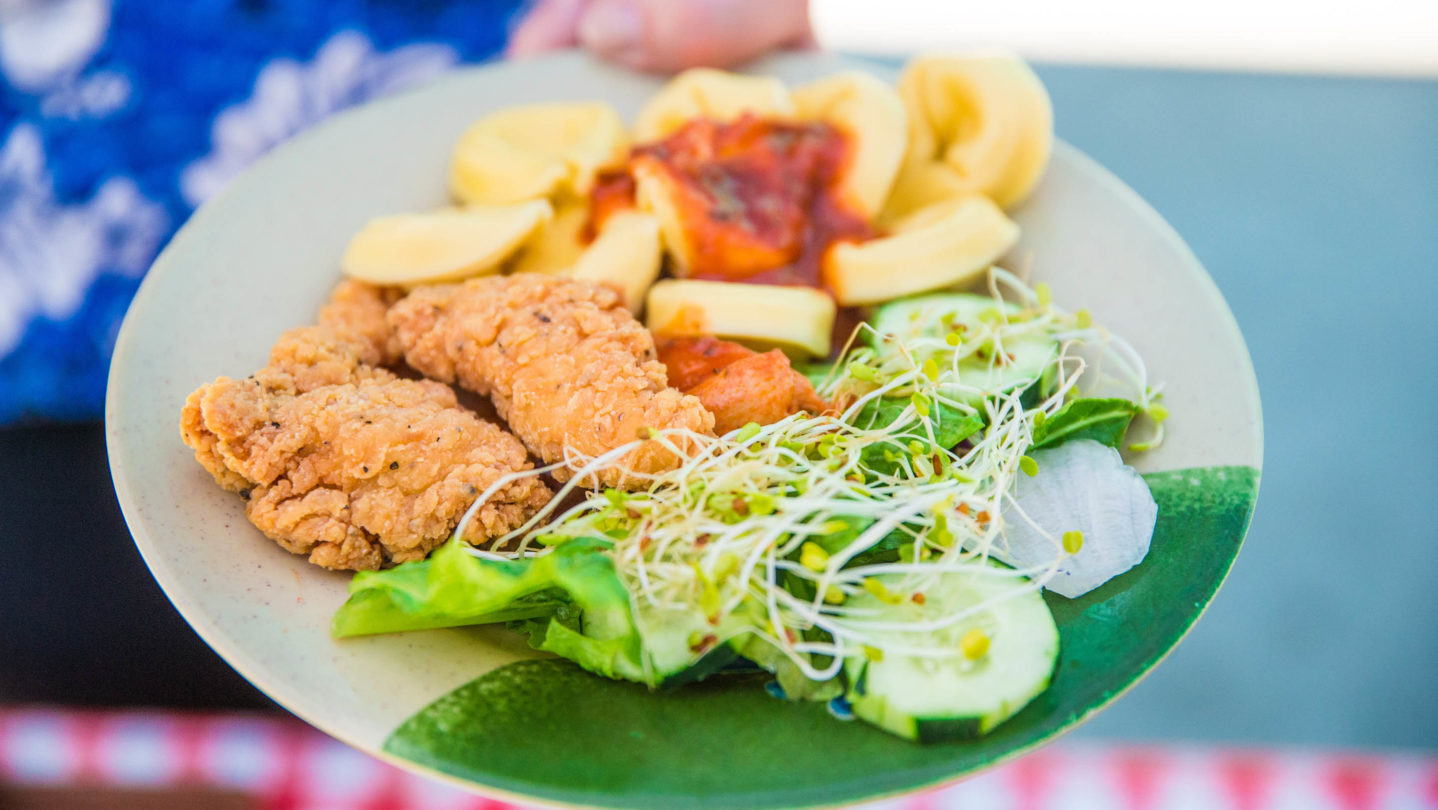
x: 692, y: 360
x: 758, y: 199
x: 737, y: 384
x: 613, y: 192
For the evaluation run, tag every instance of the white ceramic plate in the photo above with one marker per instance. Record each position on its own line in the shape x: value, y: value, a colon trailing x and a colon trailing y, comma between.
x: 262, y: 256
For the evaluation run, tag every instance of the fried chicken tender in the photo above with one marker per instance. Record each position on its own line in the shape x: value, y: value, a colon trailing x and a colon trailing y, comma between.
x: 353, y: 339
x: 565, y: 363
x: 348, y: 463
x: 360, y: 474
x: 358, y: 310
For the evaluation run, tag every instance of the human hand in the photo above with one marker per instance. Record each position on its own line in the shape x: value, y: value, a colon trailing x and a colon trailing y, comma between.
x: 664, y: 35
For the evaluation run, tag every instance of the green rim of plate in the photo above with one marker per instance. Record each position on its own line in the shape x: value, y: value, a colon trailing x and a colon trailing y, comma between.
x: 726, y: 743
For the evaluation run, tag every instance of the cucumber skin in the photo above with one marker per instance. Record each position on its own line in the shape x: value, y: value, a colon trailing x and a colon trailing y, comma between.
x: 950, y: 730
x: 874, y: 709
x: 711, y: 662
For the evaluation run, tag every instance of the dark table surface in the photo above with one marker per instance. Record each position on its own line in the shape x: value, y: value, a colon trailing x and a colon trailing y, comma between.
x: 1314, y: 204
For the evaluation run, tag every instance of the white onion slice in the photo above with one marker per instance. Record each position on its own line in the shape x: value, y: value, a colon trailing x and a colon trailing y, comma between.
x: 1085, y: 486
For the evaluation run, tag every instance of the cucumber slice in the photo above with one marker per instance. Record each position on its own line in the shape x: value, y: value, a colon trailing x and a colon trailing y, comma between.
x: 948, y: 696
x: 1032, y: 356
x: 923, y: 315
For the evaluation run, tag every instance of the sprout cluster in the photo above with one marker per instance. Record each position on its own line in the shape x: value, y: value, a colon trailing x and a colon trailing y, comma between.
x: 813, y: 527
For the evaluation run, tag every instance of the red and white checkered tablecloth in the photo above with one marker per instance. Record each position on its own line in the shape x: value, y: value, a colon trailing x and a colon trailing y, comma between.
x: 286, y: 765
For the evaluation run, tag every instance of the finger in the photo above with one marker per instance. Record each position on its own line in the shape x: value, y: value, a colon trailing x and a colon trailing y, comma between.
x: 550, y: 25
x: 663, y: 35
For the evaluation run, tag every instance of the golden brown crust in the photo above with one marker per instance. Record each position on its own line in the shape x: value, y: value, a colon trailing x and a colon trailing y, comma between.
x: 565, y: 363
x: 358, y: 309
x: 349, y: 464
x: 206, y: 444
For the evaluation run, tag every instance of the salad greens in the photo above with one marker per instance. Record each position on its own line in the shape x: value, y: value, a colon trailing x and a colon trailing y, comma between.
x: 949, y: 425
x: 852, y: 552
x: 1103, y: 420
x: 454, y: 588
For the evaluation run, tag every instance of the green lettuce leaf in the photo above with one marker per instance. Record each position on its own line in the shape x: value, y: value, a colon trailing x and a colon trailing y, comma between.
x: 569, y: 601
x: 1103, y: 420
x: 454, y: 588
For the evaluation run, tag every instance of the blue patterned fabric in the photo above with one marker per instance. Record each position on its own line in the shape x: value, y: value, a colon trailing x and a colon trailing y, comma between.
x: 118, y: 117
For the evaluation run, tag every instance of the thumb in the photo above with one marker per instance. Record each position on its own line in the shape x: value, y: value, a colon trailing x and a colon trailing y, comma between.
x: 664, y: 35
x: 548, y: 26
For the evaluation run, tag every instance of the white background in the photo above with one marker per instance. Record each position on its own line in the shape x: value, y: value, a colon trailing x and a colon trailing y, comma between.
x: 1375, y: 37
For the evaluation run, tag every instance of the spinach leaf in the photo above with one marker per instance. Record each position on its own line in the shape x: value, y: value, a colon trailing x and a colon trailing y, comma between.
x: 884, y: 551
x: 816, y: 372
x: 1103, y: 420
x: 951, y: 426
x: 845, y: 531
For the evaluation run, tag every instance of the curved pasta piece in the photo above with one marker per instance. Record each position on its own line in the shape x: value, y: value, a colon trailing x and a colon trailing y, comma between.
x: 944, y: 245
x: 714, y: 94
x: 538, y: 150
x: 446, y: 245
x: 557, y: 245
x: 626, y: 255
x: 873, y: 117
x: 655, y: 194
x: 986, y: 117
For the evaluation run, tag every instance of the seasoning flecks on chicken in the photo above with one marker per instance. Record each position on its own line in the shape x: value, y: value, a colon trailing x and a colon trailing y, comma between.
x: 349, y: 464
x: 302, y: 360
x: 565, y: 363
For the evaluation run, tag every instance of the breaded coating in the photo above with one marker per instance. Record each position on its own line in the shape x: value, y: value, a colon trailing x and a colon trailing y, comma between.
x: 565, y: 363
x: 312, y: 357
x: 352, y: 340
x: 362, y: 474
x: 357, y: 310
x: 302, y: 360
x: 346, y: 462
